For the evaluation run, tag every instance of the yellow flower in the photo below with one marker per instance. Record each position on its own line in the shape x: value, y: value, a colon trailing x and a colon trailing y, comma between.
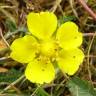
x: 46, y: 45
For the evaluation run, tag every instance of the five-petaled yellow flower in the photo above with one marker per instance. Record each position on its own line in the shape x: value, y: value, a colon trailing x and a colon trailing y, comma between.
x: 47, y: 45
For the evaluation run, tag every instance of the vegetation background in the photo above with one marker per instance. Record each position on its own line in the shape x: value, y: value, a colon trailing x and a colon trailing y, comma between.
x: 13, y: 25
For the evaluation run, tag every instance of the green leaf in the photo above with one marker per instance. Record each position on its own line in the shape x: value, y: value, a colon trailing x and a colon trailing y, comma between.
x: 80, y: 87
x: 64, y: 19
x: 11, y: 25
x: 41, y: 92
x: 10, y: 76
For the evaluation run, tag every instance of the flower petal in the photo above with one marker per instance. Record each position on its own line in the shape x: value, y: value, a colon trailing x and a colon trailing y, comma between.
x: 40, y: 72
x: 68, y: 36
x: 70, y: 60
x: 42, y: 25
x: 23, y: 49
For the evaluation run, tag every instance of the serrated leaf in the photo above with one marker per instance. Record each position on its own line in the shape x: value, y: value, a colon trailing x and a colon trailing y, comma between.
x: 80, y: 87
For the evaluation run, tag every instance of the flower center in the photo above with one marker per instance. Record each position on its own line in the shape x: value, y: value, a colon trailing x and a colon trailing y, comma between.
x: 48, y: 48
